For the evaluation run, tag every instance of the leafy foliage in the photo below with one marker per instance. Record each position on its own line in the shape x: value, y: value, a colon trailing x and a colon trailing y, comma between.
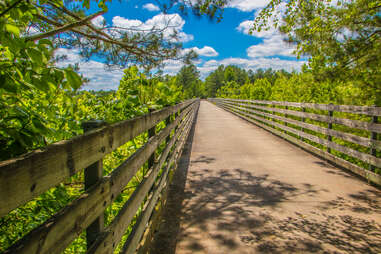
x: 342, y: 38
x: 37, y: 98
x: 284, y: 86
x: 41, y: 104
x: 136, y: 94
x: 189, y: 79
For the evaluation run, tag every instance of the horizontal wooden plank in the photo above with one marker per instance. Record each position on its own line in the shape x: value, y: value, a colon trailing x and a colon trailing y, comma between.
x: 365, y: 110
x: 346, y: 150
x: 56, y: 234
x: 28, y: 176
x: 118, y: 226
x: 367, y: 142
x: 155, y: 219
x: 369, y: 175
x: 368, y: 126
x: 140, y: 226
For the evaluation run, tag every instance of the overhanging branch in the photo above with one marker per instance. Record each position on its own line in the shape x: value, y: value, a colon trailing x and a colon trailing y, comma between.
x: 63, y: 28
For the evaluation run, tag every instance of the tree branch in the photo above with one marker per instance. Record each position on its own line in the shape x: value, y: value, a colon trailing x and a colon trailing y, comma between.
x: 131, y: 49
x: 10, y: 7
x: 63, y: 28
x: 70, y: 13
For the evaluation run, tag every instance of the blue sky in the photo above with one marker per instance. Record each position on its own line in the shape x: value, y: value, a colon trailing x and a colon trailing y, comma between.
x: 226, y: 42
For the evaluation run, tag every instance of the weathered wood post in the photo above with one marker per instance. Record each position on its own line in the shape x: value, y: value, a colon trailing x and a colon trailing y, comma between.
x: 151, y: 133
x: 93, y: 174
x: 286, y: 116
x: 274, y: 114
x: 303, y: 120
x: 373, y: 136
x: 168, y: 120
x: 330, y: 113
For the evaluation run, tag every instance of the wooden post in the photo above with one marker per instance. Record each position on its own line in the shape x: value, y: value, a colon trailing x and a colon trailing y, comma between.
x: 93, y: 174
x: 303, y: 120
x: 177, y: 115
x: 151, y: 133
x: 168, y: 120
x: 330, y: 112
x: 373, y: 136
x: 273, y: 113
x: 285, y: 115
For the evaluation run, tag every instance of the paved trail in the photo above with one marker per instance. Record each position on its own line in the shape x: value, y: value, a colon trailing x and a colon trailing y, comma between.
x: 244, y: 190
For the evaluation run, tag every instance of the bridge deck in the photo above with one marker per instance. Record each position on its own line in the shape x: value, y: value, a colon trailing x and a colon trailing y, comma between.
x: 245, y: 190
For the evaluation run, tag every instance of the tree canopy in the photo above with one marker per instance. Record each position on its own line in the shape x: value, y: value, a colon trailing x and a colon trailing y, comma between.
x: 342, y: 38
x: 37, y: 95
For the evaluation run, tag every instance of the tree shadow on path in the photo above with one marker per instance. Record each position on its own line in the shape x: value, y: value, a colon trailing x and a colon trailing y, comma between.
x: 235, y: 209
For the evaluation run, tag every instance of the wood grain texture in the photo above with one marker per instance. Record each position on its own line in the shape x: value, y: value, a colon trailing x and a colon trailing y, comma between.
x: 367, y: 142
x: 133, y: 239
x: 365, y: 110
x: 369, y: 175
x: 368, y: 126
x: 28, y: 176
x: 57, y: 233
x: 118, y: 226
x: 346, y: 150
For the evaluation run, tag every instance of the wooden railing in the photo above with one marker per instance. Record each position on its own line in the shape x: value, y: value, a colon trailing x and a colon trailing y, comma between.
x: 311, y: 127
x: 25, y: 178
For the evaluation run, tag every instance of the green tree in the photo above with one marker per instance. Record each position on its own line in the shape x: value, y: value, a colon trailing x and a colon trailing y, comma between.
x: 229, y: 90
x: 189, y: 77
x: 343, y: 38
x: 33, y: 89
x: 234, y: 73
x: 214, y: 81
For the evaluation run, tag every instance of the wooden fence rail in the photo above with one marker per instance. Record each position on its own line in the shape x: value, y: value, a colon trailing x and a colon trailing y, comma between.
x: 25, y: 178
x: 291, y: 124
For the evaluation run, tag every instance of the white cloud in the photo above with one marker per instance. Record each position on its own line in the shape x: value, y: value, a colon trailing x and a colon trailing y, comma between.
x: 211, y: 63
x: 264, y: 63
x: 100, y: 77
x: 72, y: 56
x: 270, y: 47
x: 252, y: 64
x: 170, y: 24
x: 205, y: 51
x: 151, y: 7
x: 98, y: 21
x: 273, y: 41
x: 172, y: 67
x: 245, y: 26
x: 248, y: 5
x: 126, y: 23
x: 276, y: 17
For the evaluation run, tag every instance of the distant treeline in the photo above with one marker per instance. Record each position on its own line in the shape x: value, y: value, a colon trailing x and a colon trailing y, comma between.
x: 280, y: 85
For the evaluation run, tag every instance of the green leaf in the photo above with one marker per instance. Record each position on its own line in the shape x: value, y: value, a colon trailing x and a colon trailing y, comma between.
x: 86, y: 4
x: 133, y: 92
x: 13, y: 29
x: 21, y: 112
x: 73, y: 79
x: 39, y: 125
x: 45, y: 42
x: 6, y: 85
x: 41, y: 85
x: 35, y: 55
x: 134, y: 99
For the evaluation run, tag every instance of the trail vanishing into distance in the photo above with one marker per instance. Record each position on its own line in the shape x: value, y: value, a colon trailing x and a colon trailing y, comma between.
x: 241, y: 189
